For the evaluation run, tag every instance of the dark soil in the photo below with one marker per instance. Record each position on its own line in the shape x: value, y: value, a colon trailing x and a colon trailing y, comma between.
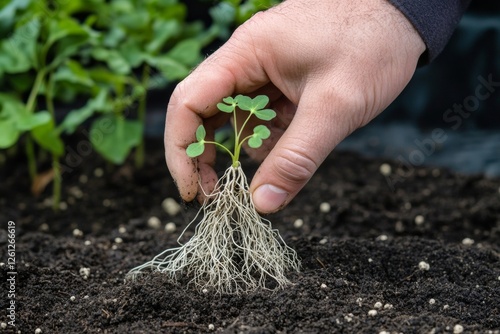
x: 365, y: 250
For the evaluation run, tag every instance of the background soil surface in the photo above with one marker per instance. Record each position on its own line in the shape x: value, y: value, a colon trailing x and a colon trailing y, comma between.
x: 361, y: 255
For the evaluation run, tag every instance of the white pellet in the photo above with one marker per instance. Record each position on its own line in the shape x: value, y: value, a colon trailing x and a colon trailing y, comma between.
x: 171, y: 206
x: 170, y: 227
x: 423, y: 266
x: 385, y: 169
x: 298, y: 223
x: 324, y: 207
x: 154, y: 222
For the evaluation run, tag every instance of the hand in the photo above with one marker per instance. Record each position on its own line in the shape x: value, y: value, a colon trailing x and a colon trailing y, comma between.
x: 329, y: 67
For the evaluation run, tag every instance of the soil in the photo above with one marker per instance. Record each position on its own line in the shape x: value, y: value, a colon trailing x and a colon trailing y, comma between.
x: 359, y: 257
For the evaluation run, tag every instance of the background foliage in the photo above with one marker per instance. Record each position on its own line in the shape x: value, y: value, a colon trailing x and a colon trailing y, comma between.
x: 68, y: 65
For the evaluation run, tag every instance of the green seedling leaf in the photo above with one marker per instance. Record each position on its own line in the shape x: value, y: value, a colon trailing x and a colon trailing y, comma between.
x: 244, y: 102
x: 265, y: 114
x: 195, y: 149
x: 255, y: 106
x: 226, y: 108
x: 229, y: 100
x: 260, y: 132
x: 200, y: 133
x: 260, y: 101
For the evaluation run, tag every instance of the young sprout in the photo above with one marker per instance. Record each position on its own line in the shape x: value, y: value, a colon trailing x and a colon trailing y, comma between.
x: 233, y: 249
x: 255, y: 106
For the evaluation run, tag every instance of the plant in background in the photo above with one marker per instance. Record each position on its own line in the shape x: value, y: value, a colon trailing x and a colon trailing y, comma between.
x: 230, y: 13
x: 233, y: 248
x: 67, y: 63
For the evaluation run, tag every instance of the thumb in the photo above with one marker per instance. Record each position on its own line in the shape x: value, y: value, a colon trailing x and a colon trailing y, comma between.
x: 320, y: 123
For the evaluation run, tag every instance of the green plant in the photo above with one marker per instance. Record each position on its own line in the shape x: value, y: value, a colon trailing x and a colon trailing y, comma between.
x: 96, y: 58
x: 233, y: 248
x: 255, y: 106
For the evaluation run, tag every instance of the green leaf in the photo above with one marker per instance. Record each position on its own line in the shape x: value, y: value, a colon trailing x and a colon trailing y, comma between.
x: 113, y: 59
x: 254, y: 142
x: 162, y: 32
x: 8, y: 12
x: 60, y: 28
x: 18, y: 53
x: 229, y: 100
x: 200, y: 133
x: 260, y: 101
x: 225, y: 108
x: 244, y: 102
x: 114, y: 137
x: 16, y: 119
x: 195, y: 149
x: 186, y: 52
x: 260, y: 132
x: 29, y: 121
x: 8, y: 132
x: 48, y: 138
x: 73, y: 72
x: 131, y: 52
x: 76, y: 117
x: 265, y: 114
x: 170, y: 68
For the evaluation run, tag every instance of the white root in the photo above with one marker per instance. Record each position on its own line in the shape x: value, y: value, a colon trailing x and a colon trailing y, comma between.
x: 233, y: 249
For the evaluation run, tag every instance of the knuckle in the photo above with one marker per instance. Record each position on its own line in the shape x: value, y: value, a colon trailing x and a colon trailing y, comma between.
x: 294, y: 165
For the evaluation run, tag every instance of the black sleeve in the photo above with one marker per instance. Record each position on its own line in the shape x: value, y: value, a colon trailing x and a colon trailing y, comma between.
x: 434, y: 20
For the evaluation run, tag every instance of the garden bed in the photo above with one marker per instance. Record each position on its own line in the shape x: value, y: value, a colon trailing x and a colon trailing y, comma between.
x: 364, y: 249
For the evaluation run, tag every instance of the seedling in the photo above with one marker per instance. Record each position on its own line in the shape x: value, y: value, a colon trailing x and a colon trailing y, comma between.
x: 233, y: 249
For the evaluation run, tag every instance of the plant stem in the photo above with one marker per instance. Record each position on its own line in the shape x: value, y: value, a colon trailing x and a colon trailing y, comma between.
x: 237, y: 142
x: 141, y: 116
x: 56, y: 188
x: 30, y: 105
x: 30, y: 155
x: 56, y: 167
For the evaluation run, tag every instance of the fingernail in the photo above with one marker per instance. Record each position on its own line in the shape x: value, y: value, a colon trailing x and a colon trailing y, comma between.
x: 269, y: 198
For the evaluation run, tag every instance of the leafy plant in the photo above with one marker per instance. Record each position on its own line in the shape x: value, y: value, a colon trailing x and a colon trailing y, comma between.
x: 96, y: 58
x: 255, y: 106
x: 233, y: 248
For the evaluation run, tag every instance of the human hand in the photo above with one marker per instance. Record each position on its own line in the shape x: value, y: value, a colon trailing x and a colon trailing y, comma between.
x: 329, y: 67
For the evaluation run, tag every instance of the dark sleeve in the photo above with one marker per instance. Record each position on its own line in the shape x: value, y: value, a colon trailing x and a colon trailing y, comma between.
x: 434, y: 20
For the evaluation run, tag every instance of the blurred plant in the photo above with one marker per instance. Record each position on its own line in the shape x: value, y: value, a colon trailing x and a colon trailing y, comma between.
x: 107, y: 54
x: 228, y: 14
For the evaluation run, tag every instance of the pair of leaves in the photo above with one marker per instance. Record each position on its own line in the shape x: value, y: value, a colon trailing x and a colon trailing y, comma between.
x: 255, y: 106
x: 260, y: 132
